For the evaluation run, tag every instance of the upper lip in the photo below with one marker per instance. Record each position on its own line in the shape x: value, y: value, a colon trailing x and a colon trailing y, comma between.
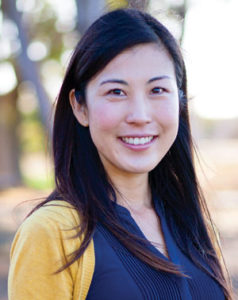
x: 139, y: 135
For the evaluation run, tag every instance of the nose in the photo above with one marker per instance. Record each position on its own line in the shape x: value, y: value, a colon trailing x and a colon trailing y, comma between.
x: 139, y: 111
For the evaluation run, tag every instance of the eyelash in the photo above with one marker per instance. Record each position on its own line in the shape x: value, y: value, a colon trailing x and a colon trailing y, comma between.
x: 158, y: 88
x: 114, y: 92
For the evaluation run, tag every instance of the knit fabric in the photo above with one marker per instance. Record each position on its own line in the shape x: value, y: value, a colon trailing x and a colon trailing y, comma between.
x: 120, y: 275
x: 40, y: 248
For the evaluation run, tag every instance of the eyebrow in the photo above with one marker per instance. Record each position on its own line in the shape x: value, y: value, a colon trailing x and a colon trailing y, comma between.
x: 158, y: 78
x: 114, y: 81
x: 125, y: 83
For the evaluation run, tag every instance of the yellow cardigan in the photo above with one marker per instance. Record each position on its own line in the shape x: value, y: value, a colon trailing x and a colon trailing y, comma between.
x: 40, y: 247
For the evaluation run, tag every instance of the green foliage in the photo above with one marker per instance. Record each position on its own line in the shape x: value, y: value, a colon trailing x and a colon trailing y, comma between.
x: 43, y: 183
x: 115, y: 4
x: 31, y: 134
x: 33, y: 148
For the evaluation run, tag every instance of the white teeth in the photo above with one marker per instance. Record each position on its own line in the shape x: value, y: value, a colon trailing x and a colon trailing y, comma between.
x: 137, y: 140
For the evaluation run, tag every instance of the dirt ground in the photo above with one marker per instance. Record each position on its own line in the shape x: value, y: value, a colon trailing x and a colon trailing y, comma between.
x: 219, y: 179
x: 13, y: 209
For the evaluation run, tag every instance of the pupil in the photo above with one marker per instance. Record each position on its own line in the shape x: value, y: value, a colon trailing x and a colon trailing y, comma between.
x: 117, y: 92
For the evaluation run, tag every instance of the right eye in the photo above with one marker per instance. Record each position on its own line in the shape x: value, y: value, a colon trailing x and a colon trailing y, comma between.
x: 158, y: 90
x: 116, y: 92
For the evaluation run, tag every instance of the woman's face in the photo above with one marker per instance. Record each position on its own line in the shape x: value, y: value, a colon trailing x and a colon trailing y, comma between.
x: 133, y: 109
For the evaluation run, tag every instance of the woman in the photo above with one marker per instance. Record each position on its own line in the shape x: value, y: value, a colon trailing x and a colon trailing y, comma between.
x: 126, y: 220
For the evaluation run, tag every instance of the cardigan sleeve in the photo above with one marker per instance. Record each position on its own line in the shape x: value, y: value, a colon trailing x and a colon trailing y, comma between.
x: 40, y: 247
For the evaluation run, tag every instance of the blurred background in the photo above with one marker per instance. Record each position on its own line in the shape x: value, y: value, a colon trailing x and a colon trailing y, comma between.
x: 36, y: 41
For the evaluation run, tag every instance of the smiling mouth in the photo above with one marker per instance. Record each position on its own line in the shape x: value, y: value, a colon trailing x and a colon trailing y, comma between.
x: 137, y: 140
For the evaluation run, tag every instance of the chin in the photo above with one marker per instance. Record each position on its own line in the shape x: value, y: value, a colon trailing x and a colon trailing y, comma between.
x: 140, y: 169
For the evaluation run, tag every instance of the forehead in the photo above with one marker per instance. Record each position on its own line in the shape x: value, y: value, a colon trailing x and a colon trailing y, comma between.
x: 141, y: 61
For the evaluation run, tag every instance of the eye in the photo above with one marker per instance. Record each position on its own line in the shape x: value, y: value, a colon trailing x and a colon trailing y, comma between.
x: 158, y: 90
x: 116, y: 92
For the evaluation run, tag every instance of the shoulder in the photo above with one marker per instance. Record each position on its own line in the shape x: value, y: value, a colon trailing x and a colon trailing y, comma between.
x: 54, y: 219
x: 54, y: 223
x: 42, y: 245
x: 58, y: 213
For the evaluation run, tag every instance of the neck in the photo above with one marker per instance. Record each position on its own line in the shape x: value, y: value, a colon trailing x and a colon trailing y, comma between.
x: 133, y: 191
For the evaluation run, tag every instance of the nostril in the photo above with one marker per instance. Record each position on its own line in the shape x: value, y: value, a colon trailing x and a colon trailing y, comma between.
x: 138, y: 121
x: 138, y: 117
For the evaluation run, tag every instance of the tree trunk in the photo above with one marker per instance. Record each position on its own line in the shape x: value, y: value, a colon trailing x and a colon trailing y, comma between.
x: 88, y: 11
x: 139, y: 4
x: 9, y: 152
x: 28, y: 68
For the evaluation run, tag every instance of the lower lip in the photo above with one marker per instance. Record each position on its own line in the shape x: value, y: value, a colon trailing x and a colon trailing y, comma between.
x: 138, y: 147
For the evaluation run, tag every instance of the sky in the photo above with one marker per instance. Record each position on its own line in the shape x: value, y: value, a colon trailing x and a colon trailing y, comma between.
x: 210, y: 49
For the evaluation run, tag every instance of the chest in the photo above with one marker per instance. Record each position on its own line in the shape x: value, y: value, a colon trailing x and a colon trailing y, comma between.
x: 150, y: 225
x: 120, y: 275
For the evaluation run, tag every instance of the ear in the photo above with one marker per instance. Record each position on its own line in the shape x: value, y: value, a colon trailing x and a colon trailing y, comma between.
x: 79, y: 108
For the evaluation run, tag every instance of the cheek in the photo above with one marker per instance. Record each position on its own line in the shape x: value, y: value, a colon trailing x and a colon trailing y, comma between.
x: 168, y: 115
x: 103, y: 118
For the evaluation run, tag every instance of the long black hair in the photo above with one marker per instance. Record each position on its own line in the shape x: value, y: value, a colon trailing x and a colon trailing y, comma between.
x: 79, y: 174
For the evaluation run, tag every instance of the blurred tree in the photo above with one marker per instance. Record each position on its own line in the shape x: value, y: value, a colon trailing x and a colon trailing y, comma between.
x: 115, y: 4
x: 180, y: 10
x: 27, y: 68
x: 87, y: 12
x: 9, y: 149
x: 139, y: 4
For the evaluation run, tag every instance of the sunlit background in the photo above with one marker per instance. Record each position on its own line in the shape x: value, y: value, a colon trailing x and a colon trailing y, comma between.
x: 36, y: 41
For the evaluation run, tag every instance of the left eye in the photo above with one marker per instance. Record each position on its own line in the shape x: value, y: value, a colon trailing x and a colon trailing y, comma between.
x: 158, y: 90
x: 116, y: 92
